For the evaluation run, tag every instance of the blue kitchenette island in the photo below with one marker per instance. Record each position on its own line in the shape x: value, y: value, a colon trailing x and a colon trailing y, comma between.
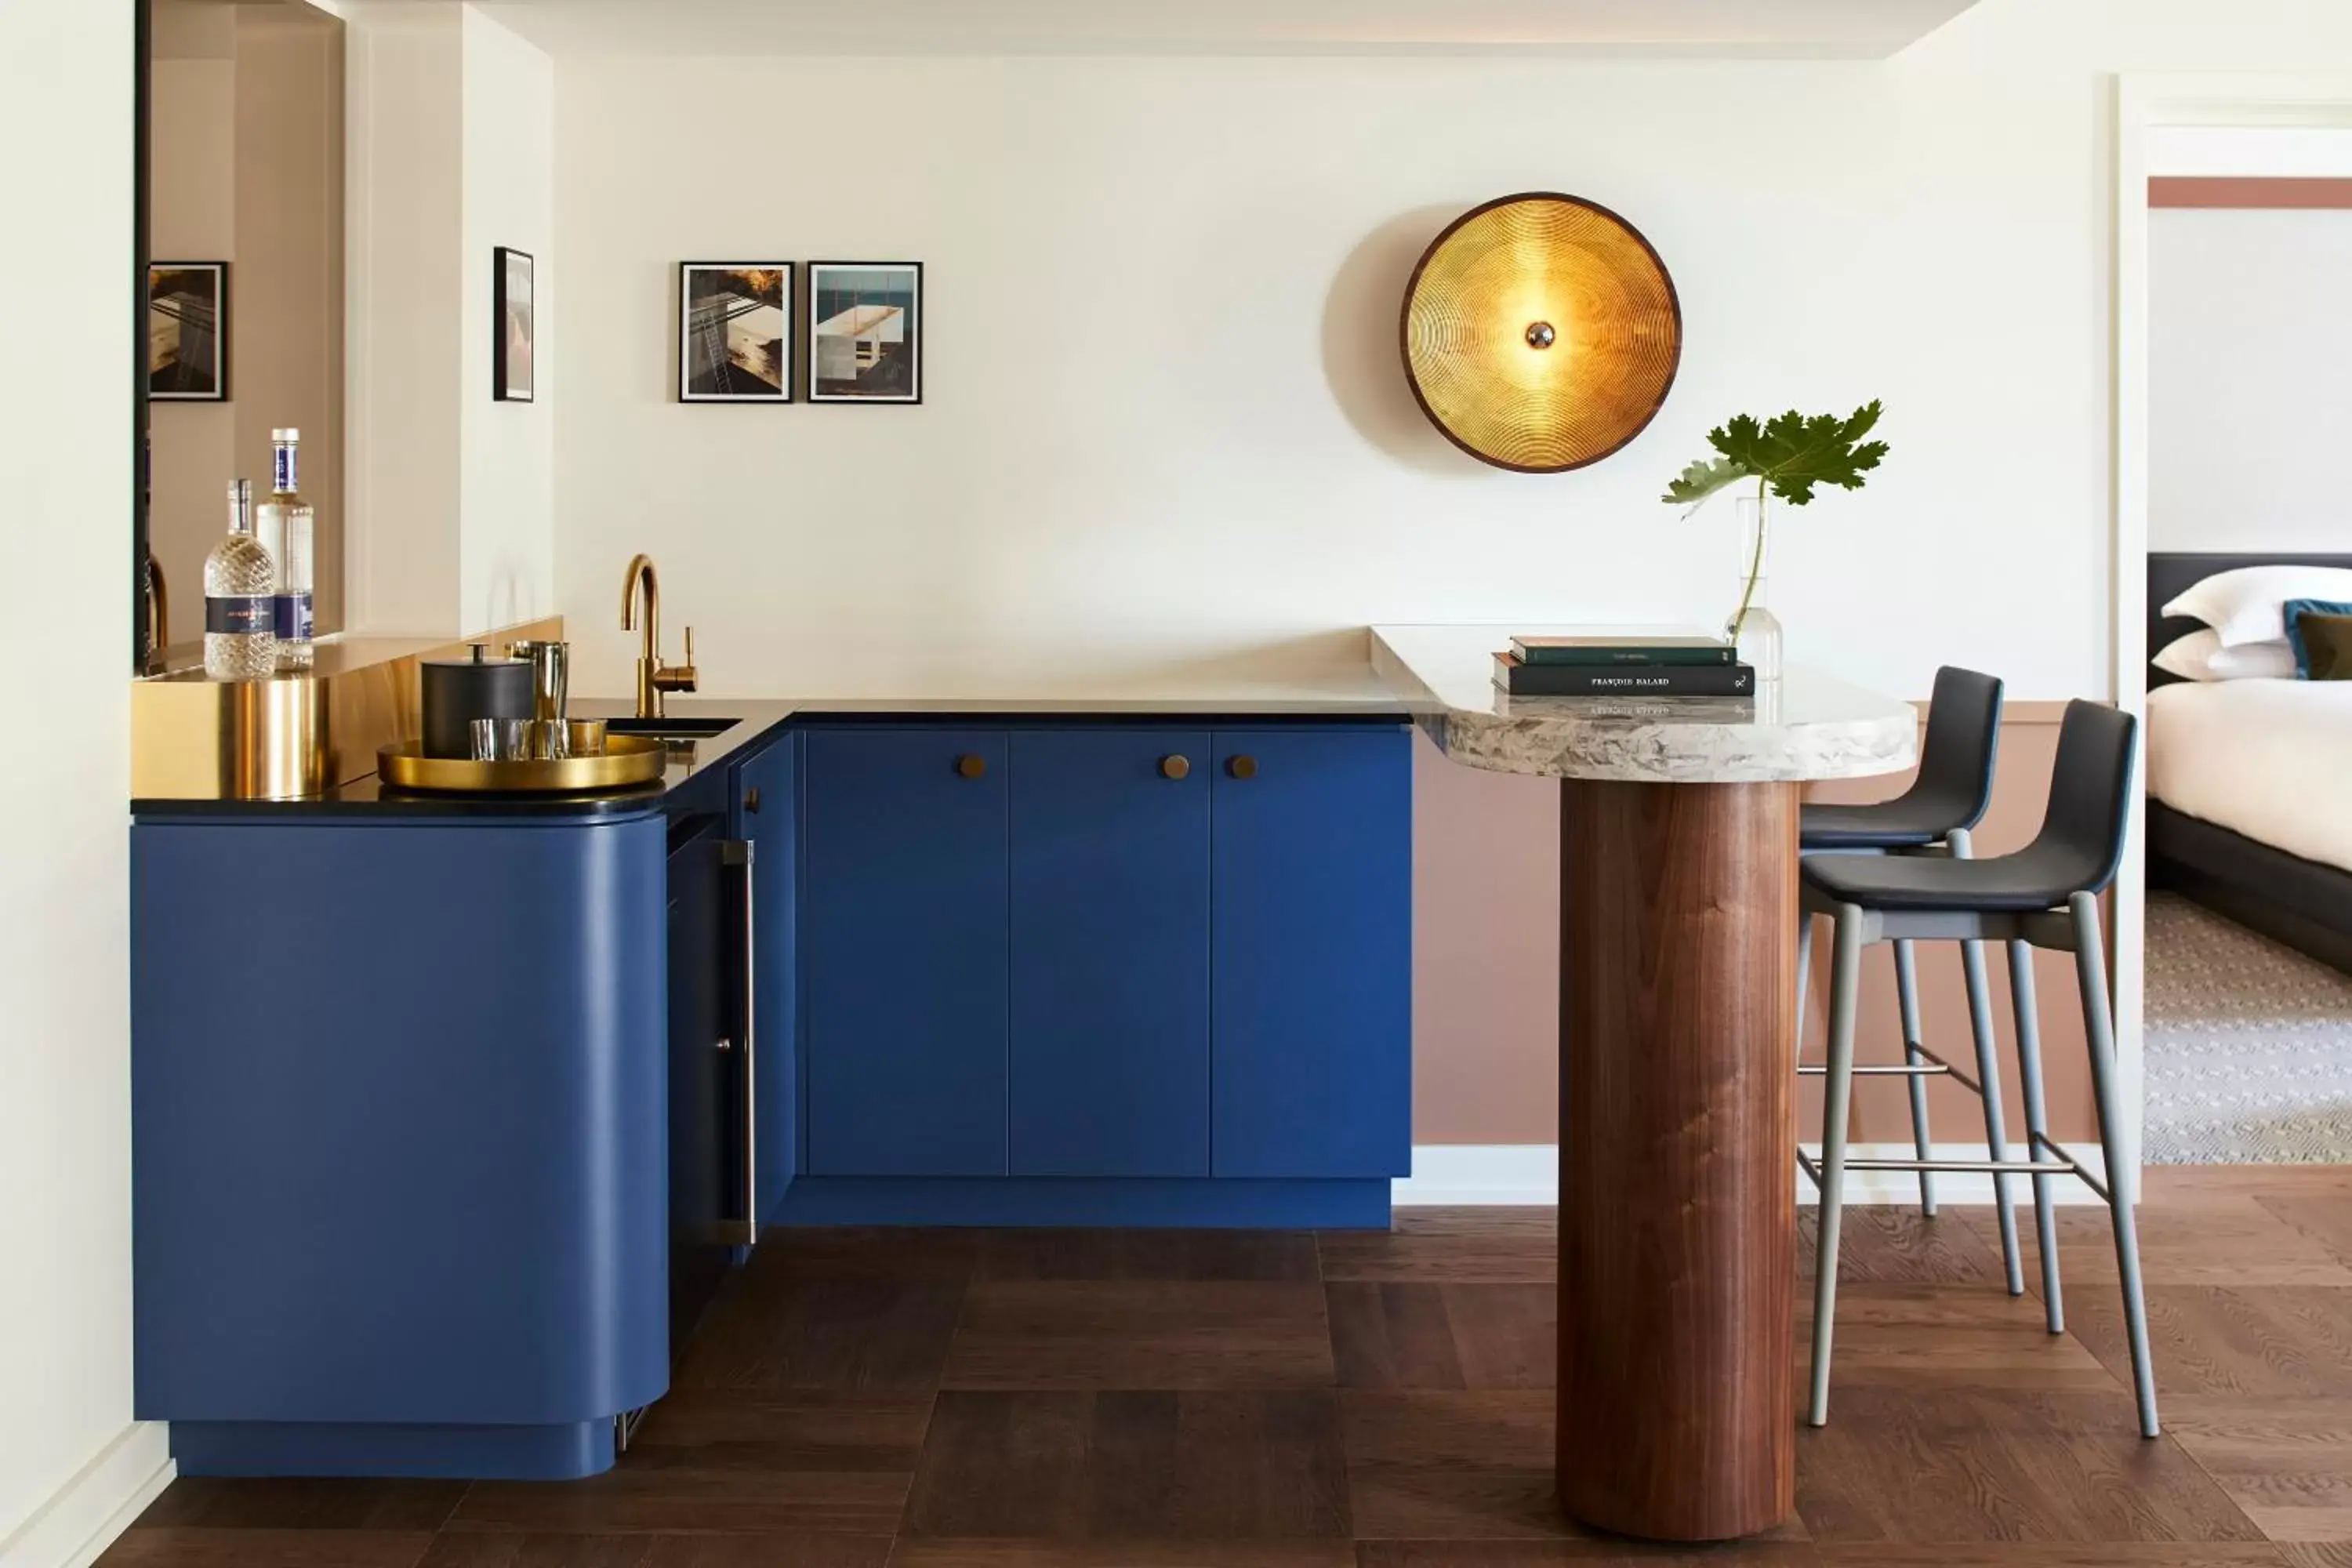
x: 451, y: 1113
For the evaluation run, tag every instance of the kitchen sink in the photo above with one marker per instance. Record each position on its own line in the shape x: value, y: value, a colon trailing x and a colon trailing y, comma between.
x: 696, y: 727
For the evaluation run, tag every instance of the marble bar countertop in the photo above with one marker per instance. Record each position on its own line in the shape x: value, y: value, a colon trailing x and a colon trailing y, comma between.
x: 1811, y: 727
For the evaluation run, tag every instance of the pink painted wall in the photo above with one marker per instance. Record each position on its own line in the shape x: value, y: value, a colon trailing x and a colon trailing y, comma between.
x: 1487, y: 963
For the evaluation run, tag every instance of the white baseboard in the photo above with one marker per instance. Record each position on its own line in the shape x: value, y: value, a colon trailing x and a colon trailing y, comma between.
x: 1520, y: 1173
x: 1479, y: 1174
x: 83, y: 1519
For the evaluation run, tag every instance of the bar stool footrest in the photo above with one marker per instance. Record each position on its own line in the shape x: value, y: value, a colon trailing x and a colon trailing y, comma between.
x: 1931, y: 1066
x: 2061, y: 1164
x: 1906, y: 1069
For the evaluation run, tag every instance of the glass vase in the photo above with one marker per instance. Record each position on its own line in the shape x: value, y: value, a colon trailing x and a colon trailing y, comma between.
x: 1751, y: 627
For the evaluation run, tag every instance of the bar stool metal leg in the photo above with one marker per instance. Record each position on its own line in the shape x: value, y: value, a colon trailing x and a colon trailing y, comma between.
x: 1845, y: 981
x: 2037, y: 1128
x: 1972, y: 966
x: 1980, y: 1029
x: 1906, y: 995
x: 1804, y: 972
x: 2091, y: 974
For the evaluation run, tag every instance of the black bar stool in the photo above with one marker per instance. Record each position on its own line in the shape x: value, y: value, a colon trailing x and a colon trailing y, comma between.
x: 2044, y: 895
x: 1934, y: 815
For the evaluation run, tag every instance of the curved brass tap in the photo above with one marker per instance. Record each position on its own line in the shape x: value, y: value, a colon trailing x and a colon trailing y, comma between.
x: 654, y: 679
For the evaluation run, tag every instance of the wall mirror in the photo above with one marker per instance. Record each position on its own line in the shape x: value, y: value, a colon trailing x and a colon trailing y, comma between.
x: 240, y: 281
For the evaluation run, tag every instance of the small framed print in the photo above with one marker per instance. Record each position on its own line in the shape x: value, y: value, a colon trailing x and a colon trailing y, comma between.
x: 514, y: 303
x: 734, y: 332
x: 187, y: 331
x: 866, y: 332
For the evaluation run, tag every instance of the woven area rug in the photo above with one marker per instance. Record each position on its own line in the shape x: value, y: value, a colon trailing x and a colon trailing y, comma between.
x: 2249, y: 1045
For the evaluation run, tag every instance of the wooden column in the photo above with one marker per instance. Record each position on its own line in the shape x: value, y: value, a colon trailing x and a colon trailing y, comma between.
x: 1677, y: 1156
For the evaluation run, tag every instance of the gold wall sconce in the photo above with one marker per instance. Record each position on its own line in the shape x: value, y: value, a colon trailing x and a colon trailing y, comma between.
x: 1541, y: 332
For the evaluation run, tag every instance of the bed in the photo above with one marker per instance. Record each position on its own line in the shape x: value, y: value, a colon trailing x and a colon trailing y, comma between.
x: 2249, y: 783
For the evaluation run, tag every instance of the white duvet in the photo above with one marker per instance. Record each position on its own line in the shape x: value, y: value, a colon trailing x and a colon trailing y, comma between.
x: 2270, y: 759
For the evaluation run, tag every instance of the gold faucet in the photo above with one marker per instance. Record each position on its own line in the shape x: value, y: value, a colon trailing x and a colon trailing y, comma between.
x: 654, y: 677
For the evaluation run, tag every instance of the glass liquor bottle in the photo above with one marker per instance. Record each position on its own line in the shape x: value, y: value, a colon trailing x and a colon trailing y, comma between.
x: 286, y: 526
x: 240, y: 584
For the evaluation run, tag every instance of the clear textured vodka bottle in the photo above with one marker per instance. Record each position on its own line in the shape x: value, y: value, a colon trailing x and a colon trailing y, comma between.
x: 285, y: 527
x: 240, y: 587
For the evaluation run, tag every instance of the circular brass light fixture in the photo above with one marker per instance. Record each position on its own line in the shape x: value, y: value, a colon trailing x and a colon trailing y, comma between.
x: 1541, y: 332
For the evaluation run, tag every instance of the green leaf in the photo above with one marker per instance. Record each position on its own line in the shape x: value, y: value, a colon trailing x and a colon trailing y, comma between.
x: 1792, y: 453
x: 1702, y: 480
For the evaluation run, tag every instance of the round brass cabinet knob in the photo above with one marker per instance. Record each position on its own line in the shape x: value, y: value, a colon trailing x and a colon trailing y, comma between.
x: 1174, y: 767
x: 1541, y: 332
x: 751, y: 799
x: 971, y: 766
x: 1243, y: 767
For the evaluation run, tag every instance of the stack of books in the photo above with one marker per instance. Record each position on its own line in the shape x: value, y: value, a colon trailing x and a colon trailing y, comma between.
x: 1613, y: 664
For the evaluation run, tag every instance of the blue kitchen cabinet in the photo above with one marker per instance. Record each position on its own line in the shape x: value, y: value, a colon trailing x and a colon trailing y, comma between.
x: 1109, y: 1047
x: 904, y: 877
x: 1312, y: 952
x: 768, y: 797
x: 1076, y: 980
x: 399, y: 1107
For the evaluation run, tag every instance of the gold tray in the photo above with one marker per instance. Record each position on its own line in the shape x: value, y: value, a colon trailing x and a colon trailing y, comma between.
x: 625, y: 760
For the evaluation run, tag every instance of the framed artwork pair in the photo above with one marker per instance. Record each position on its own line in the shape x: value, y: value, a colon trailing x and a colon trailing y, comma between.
x: 857, y: 336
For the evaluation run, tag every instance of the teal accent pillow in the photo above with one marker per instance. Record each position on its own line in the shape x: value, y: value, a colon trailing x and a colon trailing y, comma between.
x: 2320, y: 650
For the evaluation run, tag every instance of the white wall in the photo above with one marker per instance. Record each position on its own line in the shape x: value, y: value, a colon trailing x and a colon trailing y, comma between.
x: 2250, y: 379
x: 507, y: 558
x: 2262, y: 151
x: 1164, y: 422
x: 69, y: 1455
x: 451, y: 499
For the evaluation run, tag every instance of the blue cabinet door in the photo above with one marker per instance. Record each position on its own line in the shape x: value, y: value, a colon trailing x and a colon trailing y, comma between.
x: 903, y: 951
x: 768, y: 796
x: 1312, y: 998
x: 1110, y: 952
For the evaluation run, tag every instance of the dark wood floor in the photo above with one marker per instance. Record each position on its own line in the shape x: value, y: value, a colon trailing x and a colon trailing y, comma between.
x: 1159, y: 1400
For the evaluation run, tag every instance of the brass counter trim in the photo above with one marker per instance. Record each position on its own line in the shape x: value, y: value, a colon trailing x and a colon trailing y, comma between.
x: 293, y: 735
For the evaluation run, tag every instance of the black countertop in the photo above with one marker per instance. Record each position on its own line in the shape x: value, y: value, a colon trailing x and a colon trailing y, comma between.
x: 372, y: 798
x: 756, y: 720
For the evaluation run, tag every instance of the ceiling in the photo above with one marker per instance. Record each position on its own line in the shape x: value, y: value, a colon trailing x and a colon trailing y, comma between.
x: 1813, y: 29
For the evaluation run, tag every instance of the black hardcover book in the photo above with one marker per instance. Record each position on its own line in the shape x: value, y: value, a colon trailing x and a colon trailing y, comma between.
x: 1589, y: 657
x: 1631, y: 650
x: 1622, y: 681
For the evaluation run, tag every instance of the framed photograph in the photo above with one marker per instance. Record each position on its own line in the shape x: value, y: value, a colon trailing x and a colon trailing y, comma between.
x: 734, y: 332
x: 187, y: 331
x: 513, y: 357
x: 866, y: 332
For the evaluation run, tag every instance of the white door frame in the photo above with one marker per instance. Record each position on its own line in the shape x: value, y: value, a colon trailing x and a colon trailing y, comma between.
x: 2145, y: 100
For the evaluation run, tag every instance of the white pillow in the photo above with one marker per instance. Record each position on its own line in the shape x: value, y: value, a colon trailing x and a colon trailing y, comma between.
x: 2199, y: 655
x: 2244, y: 605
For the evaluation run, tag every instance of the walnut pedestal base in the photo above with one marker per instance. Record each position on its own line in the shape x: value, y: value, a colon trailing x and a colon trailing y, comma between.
x: 1677, y: 1154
